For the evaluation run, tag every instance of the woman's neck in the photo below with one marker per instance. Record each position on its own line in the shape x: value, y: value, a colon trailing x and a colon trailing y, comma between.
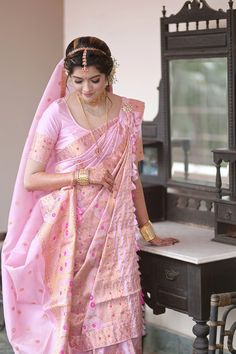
x: 97, y: 107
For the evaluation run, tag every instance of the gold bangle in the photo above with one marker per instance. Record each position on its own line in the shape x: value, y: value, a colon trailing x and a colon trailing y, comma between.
x: 83, y: 177
x: 147, y: 231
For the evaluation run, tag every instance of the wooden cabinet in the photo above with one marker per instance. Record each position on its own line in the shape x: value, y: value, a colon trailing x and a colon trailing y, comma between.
x: 171, y: 280
x: 186, y: 288
x: 184, y: 276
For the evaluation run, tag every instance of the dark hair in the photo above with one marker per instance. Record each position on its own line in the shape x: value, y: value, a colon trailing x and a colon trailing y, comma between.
x: 100, y: 58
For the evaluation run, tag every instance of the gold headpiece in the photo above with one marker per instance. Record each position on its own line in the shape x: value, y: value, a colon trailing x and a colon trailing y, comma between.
x: 85, y: 48
x: 84, y: 57
x: 84, y: 60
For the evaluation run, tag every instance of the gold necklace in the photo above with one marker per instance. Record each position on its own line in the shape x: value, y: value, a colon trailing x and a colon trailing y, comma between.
x: 98, y: 149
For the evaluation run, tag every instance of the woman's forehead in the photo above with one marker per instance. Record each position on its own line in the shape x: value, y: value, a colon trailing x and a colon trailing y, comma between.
x: 91, y: 71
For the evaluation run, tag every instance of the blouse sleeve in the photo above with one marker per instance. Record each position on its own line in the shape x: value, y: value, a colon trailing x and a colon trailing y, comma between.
x: 45, y: 138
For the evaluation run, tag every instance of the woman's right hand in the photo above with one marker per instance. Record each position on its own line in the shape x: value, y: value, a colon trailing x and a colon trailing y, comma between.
x: 100, y: 175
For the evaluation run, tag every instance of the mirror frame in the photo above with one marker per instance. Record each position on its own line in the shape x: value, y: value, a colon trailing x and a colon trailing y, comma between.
x: 184, y: 42
x: 199, y: 43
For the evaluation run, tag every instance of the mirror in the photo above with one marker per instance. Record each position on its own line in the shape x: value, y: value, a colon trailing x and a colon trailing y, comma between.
x: 149, y: 166
x: 198, y: 116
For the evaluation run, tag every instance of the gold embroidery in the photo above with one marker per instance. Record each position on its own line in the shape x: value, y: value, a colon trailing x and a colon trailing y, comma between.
x: 127, y: 107
x: 41, y: 148
x: 79, y: 146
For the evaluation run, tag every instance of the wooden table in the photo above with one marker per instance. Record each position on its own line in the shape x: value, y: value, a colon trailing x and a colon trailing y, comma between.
x: 183, y: 277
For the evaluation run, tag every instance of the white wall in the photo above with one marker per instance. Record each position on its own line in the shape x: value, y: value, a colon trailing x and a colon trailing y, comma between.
x: 131, y: 29
x: 31, y: 37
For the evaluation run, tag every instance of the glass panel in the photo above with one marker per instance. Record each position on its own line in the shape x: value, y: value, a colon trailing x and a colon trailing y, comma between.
x: 199, y: 116
x: 149, y: 166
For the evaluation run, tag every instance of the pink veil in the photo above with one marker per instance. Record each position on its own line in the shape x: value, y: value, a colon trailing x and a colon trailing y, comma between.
x: 22, y: 200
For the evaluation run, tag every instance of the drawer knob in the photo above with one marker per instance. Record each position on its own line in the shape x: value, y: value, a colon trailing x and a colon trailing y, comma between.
x: 171, y: 274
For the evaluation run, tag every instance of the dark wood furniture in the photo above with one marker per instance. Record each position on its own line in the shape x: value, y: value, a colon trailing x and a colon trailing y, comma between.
x: 183, y: 277
x: 203, y: 37
x: 225, y: 205
x: 185, y: 287
x: 150, y: 193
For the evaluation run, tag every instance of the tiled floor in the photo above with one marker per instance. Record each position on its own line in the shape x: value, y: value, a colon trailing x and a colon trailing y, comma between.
x: 160, y: 341
x: 5, y: 347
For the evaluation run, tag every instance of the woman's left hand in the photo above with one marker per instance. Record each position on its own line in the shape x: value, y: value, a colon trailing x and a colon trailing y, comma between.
x: 165, y: 241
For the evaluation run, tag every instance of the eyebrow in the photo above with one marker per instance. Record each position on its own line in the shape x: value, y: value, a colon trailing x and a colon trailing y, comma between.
x: 81, y: 78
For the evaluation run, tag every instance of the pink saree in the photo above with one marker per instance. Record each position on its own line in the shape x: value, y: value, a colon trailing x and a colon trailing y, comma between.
x: 71, y: 282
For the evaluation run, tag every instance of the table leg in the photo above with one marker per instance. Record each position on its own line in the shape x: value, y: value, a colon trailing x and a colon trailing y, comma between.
x: 201, y: 330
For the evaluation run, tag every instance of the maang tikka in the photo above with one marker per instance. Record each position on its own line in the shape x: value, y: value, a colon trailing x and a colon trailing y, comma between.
x: 84, y: 60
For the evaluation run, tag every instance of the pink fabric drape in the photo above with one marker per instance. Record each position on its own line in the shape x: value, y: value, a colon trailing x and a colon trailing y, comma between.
x: 19, y: 215
x: 70, y: 274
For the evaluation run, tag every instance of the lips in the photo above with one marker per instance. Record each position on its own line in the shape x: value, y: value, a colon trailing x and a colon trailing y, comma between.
x: 88, y: 95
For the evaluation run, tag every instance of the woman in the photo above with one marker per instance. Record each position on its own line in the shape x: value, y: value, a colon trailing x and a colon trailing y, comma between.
x: 70, y: 272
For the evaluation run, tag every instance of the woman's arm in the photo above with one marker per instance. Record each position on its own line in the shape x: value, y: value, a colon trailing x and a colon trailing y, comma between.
x: 139, y: 203
x: 142, y: 214
x: 36, y: 178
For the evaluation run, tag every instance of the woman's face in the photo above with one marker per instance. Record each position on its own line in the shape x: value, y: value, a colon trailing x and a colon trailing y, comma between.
x: 89, y: 84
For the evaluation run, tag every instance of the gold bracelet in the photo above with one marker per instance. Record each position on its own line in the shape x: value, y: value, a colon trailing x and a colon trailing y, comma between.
x: 83, y: 177
x: 147, y: 231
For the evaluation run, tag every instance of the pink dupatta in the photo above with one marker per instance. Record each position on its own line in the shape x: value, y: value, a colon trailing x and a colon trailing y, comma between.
x: 22, y: 205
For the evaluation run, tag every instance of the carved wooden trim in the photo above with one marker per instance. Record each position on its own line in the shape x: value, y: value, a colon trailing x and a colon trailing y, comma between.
x: 191, y: 209
x: 195, y: 11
